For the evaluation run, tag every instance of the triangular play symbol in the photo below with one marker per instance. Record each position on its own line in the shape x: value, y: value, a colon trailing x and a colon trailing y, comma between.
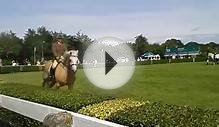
x: 109, y: 63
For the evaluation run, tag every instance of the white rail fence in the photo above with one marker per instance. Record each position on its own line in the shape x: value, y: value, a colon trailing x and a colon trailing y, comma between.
x: 39, y: 111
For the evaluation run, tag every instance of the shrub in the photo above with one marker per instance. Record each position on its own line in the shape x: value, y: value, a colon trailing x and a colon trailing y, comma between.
x: 68, y: 100
x: 104, y: 109
x: 200, y: 59
x: 9, y: 69
x: 145, y: 114
x: 162, y: 61
x: 12, y: 119
x: 30, y: 68
x: 22, y: 68
x: 165, y: 61
x: 6, y: 61
x: 156, y: 114
x: 123, y: 111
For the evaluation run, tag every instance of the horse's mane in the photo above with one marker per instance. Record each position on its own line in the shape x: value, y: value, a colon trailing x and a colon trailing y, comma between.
x: 67, y: 55
x: 66, y: 58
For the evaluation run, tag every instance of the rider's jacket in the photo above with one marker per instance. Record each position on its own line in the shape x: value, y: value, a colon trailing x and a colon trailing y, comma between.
x: 58, y: 49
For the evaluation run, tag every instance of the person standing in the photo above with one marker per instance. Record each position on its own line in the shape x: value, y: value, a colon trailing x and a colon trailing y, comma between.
x: 0, y: 62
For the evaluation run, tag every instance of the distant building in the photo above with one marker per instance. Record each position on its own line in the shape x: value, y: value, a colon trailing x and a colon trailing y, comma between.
x: 149, y: 56
x: 184, y: 52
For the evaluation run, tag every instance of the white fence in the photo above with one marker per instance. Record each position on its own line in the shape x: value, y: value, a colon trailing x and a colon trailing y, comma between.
x: 38, y: 112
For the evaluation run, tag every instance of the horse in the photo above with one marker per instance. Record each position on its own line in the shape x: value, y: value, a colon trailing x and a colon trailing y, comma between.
x: 214, y: 58
x: 65, y: 71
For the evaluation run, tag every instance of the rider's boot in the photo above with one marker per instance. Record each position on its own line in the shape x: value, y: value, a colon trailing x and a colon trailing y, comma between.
x: 52, y: 73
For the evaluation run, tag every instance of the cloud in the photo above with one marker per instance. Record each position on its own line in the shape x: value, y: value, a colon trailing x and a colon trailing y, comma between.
x: 124, y: 26
x: 98, y: 19
x: 195, y: 29
x: 121, y: 24
x: 200, y: 38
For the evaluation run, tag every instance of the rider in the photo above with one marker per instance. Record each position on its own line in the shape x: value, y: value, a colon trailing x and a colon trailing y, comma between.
x: 58, y: 49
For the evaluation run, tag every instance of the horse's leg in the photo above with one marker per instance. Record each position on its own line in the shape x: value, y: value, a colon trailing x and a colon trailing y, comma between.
x: 71, y: 84
x: 52, y: 83
x: 44, y: 82
x: 48, y: 82
x: 56, y: 85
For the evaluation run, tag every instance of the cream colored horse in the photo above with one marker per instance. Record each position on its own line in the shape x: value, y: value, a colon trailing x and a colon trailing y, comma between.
x: 64, y: 73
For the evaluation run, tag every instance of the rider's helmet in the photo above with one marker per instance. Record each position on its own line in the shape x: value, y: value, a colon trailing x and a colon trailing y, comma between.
x: 59, y: 39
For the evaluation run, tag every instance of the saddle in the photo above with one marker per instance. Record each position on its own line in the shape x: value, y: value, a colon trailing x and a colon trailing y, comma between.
x: 53, y: 67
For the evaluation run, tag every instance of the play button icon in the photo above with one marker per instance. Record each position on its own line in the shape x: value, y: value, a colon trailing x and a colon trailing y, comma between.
x: 108, y: 63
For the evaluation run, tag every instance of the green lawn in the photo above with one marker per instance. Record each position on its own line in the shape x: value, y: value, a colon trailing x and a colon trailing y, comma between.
x: 194, y: 84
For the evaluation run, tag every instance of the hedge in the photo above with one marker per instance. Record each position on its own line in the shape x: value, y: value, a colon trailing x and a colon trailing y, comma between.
x: 21, y: 68
x: 25, y: 68
x: 165, y: 61
x: 104, y: 109
x: 145, y: 114
x: 64, y: 99
x: 156, y: 114
x: 12, y: 119
x: 9, y: 69
x: 124, y: 111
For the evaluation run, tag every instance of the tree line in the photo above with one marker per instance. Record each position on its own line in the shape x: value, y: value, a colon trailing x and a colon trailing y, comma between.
x: 39, y: 42
x: 141, y: 45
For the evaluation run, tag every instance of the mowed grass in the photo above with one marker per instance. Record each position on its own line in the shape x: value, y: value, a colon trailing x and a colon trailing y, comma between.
x: 194, y: 84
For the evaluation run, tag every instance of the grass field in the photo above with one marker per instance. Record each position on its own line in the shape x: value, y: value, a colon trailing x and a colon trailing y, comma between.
x: 194, y: 84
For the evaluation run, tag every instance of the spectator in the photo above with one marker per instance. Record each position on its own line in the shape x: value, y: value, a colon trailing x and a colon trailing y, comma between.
x: 38, y: 63
x: 0, y: 62
x: 26, y: 61
x: 13, y: 63
x: 17, y: 63
x: 95, y: 63
x: 169, y: 60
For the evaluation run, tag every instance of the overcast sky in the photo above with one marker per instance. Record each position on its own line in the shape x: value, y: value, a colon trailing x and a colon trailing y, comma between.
x: 189, y: 20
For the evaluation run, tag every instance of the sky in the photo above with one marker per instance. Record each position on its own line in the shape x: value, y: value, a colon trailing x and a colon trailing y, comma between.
x: 158, y: 20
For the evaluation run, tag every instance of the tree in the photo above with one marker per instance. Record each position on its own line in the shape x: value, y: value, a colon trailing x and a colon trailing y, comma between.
x: 213, y: 47
x: 80, y: 42
x: 173, y: 43
x: 30, y: 41
x: 41, y: 39
x: 157, y: 49
x: 140, y: 45
x: 10, y: 45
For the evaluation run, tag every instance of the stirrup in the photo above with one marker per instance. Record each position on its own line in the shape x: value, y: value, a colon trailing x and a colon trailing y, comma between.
x: 51, y: 76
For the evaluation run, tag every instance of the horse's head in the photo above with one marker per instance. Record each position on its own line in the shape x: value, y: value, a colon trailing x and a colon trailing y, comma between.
x: 73, y: 59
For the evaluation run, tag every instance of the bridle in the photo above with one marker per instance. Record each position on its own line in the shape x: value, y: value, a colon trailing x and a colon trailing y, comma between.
x: 73, y: 63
